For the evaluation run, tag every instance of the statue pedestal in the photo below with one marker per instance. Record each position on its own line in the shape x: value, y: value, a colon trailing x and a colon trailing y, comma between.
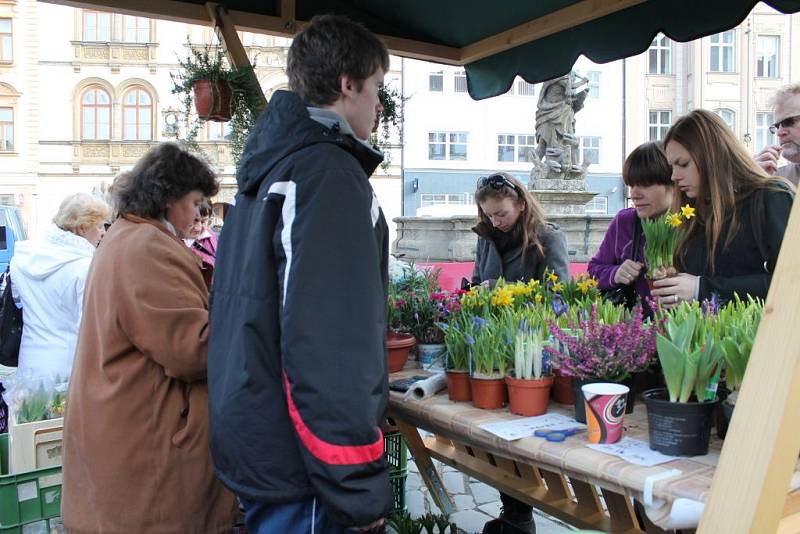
x: 563, y: 202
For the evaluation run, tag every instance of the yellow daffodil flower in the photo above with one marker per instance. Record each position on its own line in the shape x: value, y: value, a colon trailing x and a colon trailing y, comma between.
x: 558, y: 286
x: 553, y: 277
x: 687, y: 211
x: 584, y: 286
x: 538, y: 298
x: 675, y: 220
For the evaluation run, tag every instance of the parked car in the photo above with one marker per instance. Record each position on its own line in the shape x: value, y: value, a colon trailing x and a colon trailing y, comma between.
x: 11, y: 231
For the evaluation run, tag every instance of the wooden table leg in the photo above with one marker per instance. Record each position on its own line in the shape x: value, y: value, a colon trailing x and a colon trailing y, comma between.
x: 426, y: 468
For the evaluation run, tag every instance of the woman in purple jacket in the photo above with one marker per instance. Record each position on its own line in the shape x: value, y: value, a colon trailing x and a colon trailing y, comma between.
x: 203, y: 241
x: 648, y: 175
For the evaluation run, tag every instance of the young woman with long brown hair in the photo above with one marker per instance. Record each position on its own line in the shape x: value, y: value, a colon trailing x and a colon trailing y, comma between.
x: 515, y: 241
x: 731, y: 244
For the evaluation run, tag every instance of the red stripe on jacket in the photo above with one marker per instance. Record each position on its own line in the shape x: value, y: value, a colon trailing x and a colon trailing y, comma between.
x: 328, y: 452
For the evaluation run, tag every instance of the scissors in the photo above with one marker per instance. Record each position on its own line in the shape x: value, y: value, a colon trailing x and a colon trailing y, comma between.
x: 557, y: 436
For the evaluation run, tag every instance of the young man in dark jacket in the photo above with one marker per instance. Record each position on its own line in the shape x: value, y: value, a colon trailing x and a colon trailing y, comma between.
x: 296, y: 363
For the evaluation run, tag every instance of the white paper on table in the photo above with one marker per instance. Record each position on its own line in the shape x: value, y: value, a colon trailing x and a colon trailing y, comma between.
x: 633, y: 451
x: 523, y: 428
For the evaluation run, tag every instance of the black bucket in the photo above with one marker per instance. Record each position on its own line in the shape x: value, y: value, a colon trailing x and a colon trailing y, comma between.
x: 580, y: 407
x: 678, y: 428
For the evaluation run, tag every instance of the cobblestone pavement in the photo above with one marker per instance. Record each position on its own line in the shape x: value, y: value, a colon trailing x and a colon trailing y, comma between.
x: 475, y: 502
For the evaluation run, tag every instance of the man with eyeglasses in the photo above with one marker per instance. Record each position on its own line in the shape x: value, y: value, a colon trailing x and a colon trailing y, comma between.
x: 787, y: 128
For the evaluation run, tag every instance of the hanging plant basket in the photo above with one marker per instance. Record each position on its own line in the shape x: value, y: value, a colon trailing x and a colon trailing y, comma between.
x: 212, y: 100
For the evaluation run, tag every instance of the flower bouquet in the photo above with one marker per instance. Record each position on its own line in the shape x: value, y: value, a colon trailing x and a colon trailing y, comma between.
x: 661, y: 237
x: 529, y: 384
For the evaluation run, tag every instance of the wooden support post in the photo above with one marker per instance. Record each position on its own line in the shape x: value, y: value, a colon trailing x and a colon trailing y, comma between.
x: 226, y: 32
x: 426, y: 468
x: 620, y: 508
x: 749, y: 489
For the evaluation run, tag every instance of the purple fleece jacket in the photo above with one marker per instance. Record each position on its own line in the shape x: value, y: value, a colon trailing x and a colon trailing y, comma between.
x: 615, y: 249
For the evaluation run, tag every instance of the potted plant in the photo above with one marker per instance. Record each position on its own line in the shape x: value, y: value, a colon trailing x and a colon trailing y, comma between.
x: 457, y: 357
x: 398, y: 341
x: 661, y: 237
x: 490, y: 348
x: 219, y: 93
x: 680, y: 417
x: 601, y: 348
x: 529, y: 383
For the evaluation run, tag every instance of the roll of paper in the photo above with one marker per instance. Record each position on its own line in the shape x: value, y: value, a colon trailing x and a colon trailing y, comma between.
x: 427, y: 388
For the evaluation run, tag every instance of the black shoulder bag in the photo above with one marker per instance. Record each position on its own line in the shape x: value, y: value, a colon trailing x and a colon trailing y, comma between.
x: 10, y: 325
x: 625, y: 295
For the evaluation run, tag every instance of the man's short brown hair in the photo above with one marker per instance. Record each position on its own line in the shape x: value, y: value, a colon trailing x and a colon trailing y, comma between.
x: 330, y: 47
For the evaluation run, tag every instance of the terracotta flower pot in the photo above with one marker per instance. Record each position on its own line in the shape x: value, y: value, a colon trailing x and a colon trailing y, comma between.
x: 397, y: 347
x: 488, y: 393
x: 212, y: 100
x: 458, y: 386
x: 528, y: 397
x: 562, y: 389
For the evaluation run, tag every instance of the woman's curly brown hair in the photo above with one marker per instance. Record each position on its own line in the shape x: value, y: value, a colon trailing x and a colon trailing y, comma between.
x: 165, y: 174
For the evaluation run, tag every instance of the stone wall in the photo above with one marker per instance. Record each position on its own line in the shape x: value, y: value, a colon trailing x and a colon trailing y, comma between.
x: 432, y: 239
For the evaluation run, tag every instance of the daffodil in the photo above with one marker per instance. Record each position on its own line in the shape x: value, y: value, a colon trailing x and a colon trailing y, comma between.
x: 674, y: 220
x: 533, y: 283
x: 687, y: 211
x: 558, y: 286
x: 584, y: 286
x: 553, y: 277
x: 538, y: 298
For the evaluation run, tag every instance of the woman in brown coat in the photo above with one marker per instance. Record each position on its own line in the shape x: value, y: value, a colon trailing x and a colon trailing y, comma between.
x: 136, y: 455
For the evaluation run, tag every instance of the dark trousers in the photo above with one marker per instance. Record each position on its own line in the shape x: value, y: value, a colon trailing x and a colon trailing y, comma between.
x: 306, y: 517
x: 514, y: 509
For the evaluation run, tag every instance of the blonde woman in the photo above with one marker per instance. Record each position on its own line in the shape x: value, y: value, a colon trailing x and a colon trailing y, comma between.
x: 48, y: 277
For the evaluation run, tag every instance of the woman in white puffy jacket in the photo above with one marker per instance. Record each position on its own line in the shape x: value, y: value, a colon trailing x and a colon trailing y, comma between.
x: 47, y: 278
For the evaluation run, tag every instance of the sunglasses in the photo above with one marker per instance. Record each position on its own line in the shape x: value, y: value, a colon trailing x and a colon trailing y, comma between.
x: 788, y: 122
x: 495, y: 181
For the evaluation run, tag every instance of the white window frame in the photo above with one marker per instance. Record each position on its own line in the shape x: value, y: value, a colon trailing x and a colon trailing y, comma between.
x: 7, y: 42
x: 518, y: 143
x: 598, y: 205
x: 433, y: 199
x: 728, y: 116
x: 525, y: 88
x: 659, y: 56
x: 659, y: 124
x: 97, y: 16
x: 764, y: 119
x: 138, y: 26
x: 460, y: 81
x: 590, y: 144
x: 449, y: 140
x: 436, y: 74
x: 768, y: 67
x: 7, y: 126
x: 594, y: 83
x: 726, y: 52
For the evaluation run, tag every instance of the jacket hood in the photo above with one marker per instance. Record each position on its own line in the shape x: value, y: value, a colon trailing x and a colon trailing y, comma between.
x: 286, y: 127
x: 40, y: 259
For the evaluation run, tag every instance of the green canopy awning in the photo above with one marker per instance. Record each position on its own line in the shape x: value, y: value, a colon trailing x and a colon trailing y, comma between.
x: 495, y: 41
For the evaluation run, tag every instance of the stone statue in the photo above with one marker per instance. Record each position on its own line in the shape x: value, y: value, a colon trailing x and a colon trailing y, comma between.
x: 559, y: 100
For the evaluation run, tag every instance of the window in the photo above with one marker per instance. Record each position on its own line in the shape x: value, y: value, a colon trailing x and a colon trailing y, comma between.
x: 763, y: 137
x: 598, y: 204
x: 430, y: 199
x: 137, y: 29
x: 96, y: 26
x: 137, y: 113
x: 722, y: 55
x: 767, y: 47
x: 6, y: 130
x: 590, y: 149
x: 594, y: 83
x: 95, y: 114
x: 447, y: 145
x: 526, y: 89
x: 658, y: 56
x: 6, y: 41
x: 729, y: 116
x: 218, y: 131
x: 460, y: 81
x: 658, y: 124
x: 436, y: 82
x: 515, y: 148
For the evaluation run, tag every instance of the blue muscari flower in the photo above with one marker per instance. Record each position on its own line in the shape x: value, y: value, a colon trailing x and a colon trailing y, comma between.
x: 443, y: 326
x: 523, y: 325
x: 559, y: 306
x: 478, y: 321
x: 469, y: 339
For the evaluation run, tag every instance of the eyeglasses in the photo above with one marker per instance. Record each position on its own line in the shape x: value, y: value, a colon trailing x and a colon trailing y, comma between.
x: 788, y: 122
x: 495, y: 181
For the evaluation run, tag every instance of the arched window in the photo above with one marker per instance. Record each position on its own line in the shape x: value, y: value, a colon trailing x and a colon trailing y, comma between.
x: 137, y: 115
x: 95, y: 114
x: 728, y: 116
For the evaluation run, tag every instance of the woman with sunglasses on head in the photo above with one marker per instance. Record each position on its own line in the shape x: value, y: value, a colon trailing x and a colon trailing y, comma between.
x: 731, y: 245
x: 648, y: 175
x: 514, y: 240
x: 515, y: 243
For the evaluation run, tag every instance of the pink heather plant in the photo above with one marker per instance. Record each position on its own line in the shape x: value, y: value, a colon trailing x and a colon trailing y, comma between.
x: 596, y: 351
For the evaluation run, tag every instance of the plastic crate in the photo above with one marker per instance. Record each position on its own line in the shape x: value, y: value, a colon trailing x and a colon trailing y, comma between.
x: 394, y: 447
x: 398, y: 484
x: 35, y: 445
x: 29, y: 502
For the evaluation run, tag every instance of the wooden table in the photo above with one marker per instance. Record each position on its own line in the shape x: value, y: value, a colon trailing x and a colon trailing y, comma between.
x: 581, y: 486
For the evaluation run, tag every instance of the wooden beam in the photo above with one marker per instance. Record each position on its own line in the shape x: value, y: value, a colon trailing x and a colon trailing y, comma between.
x: 748, y: 493
x: 288, y: 15
x: 535, y: 29
x: 226, y: 32
x: 162, y: 9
